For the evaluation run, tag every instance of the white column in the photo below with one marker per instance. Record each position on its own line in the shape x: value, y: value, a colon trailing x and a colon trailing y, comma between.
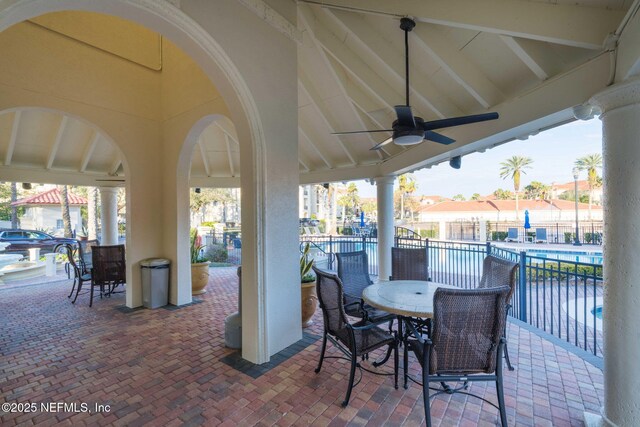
x: 92, y: 200
x: 385, y: 225
x: 109, y: 215
x: 621, y: 148
x: 313, y: 201
x: 442, y: 230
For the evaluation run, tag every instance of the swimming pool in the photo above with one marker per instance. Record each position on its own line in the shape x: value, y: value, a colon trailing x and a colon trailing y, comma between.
x: 579, y: 256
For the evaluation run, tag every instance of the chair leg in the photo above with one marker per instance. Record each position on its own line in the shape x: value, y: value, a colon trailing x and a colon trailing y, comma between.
x: 385, y: 359
x: 506, y: 349
x: 324, y: 347
x: 395, y: 364
x: 506, y: 357
x: 91, y: 298
x: 77, y: 291
x: 73, y: 288
x: 501, y: 408
x: 405, y: 357
x: 425, y: 395
x: 352, y: 375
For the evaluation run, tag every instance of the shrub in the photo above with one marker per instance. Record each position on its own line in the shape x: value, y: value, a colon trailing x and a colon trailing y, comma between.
x: 216, y: 253
x: 429, y: 234
x: 498, y: 235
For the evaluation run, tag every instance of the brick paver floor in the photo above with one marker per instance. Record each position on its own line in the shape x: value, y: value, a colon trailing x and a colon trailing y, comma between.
x: 163, y: 367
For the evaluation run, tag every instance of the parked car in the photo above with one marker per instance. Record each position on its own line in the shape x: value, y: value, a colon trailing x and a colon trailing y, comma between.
x: 308, y: 222
x: 20, y: 241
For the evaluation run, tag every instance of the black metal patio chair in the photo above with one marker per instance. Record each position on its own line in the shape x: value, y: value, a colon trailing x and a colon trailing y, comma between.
x: 466, y: 343
x: 409, y: 264
x: 354, y: 340
x: 498, y: 272
x: 80, y: 275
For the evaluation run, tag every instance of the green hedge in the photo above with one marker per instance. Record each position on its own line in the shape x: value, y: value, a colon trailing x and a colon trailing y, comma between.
x: 565, y: 269
x: 216, y: 253
x: 498, y: 235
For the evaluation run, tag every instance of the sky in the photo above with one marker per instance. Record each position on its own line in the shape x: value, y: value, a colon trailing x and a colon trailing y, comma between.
x: 553, y: 152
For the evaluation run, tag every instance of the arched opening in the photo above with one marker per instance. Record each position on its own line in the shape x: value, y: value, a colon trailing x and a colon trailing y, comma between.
x: 141, y: 135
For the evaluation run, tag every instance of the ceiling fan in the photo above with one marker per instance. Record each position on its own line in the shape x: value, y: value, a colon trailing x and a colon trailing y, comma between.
x: 409, y: 129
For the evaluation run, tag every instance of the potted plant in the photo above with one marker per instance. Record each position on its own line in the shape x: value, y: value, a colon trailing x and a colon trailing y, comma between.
x: 199, y: 266
x: 308, y: 287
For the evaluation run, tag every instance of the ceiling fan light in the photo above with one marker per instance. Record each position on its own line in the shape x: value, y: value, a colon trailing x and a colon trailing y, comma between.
x: 408, y: 139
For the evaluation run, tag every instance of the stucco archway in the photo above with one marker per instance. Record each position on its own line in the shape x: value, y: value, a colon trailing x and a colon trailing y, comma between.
x: 201, y: 46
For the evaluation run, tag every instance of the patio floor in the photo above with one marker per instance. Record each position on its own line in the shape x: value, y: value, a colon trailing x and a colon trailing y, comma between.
x: 165, y: 367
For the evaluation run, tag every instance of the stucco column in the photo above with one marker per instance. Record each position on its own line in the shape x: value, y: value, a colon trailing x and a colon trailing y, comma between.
x: 109, y: 215
x: 620, y: 105
x: 384, y: 187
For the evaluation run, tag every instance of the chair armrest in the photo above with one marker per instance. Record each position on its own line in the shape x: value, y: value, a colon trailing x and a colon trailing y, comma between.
x: 366, y: 324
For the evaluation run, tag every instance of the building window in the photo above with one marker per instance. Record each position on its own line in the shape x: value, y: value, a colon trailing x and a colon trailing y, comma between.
x: 59, y: 223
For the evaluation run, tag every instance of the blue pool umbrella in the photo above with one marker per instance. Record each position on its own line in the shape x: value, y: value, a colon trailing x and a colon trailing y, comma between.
x: 362, y: 219
x: 526, y: 220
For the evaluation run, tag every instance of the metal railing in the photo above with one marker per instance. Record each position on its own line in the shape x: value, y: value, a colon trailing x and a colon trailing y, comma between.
x: 557, y: 296
x: 224, y: 247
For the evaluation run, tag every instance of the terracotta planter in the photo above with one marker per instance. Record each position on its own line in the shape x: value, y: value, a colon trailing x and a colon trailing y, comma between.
x: 309, y: 302
x: 199, y: 277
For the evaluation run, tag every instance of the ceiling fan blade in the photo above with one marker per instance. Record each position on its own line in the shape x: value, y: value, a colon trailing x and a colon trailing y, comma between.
x: 457, y: 121
x: 405, y: 116
x: 361, y: 131
x: 438, y: 137
x: 382, y: 144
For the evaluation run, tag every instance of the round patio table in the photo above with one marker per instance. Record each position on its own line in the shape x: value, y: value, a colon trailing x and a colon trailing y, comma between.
x: 407, y: 298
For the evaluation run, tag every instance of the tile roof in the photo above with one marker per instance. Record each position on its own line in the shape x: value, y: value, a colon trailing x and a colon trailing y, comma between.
x: 51, y: 197
x: 503, y: 205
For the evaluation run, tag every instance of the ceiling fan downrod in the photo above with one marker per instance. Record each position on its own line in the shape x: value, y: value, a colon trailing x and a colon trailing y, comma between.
x: 406, y: 24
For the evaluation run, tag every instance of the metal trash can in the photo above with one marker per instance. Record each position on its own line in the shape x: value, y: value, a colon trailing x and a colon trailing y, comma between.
x: 155, y: 282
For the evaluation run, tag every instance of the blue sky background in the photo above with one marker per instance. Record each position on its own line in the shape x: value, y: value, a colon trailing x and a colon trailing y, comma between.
x: 553, y: 152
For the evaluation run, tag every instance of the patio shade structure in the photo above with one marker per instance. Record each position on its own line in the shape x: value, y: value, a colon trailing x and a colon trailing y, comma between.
x: 158, y: 96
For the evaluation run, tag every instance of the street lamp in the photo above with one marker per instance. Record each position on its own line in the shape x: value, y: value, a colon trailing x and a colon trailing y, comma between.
x: 576, y: 173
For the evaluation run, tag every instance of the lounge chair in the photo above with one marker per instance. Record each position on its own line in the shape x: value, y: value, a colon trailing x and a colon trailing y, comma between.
x: 512, y: 235
x: 541, y: 235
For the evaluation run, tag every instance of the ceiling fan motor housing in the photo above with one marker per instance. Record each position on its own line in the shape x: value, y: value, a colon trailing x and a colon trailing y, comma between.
x: 407, y: 135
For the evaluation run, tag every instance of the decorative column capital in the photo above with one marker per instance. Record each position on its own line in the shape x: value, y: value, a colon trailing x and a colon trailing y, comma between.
x: 108, y: 190
x: 618, y: 96
x: 389, y: 179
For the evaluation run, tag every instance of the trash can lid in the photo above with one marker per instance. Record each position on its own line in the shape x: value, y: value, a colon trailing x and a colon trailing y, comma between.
x: 154, y: 262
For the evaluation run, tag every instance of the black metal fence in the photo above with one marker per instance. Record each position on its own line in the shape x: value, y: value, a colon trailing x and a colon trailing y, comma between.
x: 223, y: 247
x: 560, y: 297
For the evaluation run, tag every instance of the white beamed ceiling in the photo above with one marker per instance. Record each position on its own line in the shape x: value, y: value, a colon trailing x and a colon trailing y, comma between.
x: 529, y: 60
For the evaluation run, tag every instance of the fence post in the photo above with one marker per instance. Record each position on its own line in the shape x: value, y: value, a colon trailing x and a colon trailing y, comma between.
x: 330, y: 252
x: 522, y: 287
x: 488, y: 248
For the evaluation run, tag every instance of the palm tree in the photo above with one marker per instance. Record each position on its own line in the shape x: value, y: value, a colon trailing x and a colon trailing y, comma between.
x: 591, y: 163
x: 64, y: 204
x: 512, y: 168
x: 406, y: 187
x: 14, y: 209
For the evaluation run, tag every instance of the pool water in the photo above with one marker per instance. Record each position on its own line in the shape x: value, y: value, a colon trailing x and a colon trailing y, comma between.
x: 597, y: 311
x: 584, y: 257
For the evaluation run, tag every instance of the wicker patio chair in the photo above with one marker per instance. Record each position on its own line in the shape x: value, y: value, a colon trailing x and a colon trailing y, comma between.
x: 354, y: 340
x: 500, y: 272
x: 80, y: 276
x: 466, y: 343
x: 409, y: 264
x: 109, y: 269
x: 353, y: 271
